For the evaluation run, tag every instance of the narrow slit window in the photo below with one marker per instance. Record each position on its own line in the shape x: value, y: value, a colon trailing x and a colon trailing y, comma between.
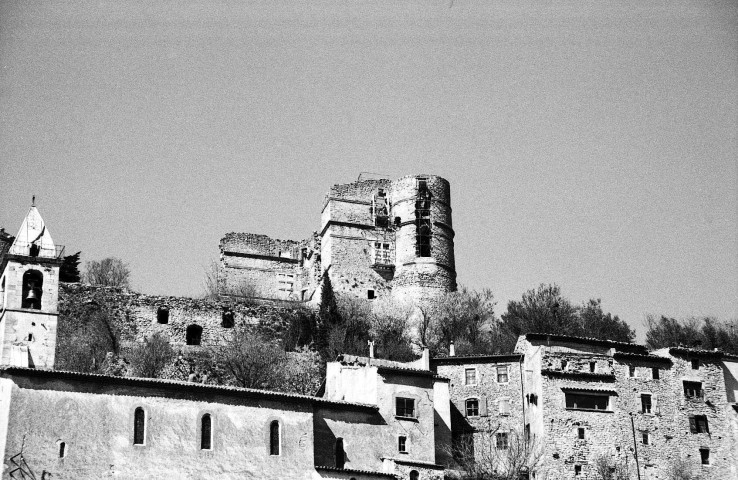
x: 274, y: 438
x: 402, y: 444
x: 423, y: 220
x: 655, y: 373
x: 62, y: 450
x: 592, y: 367
x: 139, y: 426
x: 645, y: 439
x: 340, y: 453
x: 631, y: 371
x: 206, y: 437
x: 705, y: 456
x: 580, y: 433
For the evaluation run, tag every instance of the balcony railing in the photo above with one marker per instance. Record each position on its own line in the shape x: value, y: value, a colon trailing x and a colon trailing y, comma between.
x: 25, y: 248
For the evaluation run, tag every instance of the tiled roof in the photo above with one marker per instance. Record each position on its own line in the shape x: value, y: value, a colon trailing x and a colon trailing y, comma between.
x: 382, y: 364
x: 589, y: 389
x: 575, y: 374
x: 352, y: 470
x: 417, y: 463
x: 638, y: 356
x: 696, y: 352
x: 174, y: 384
x: 479, y: 358
x: 625, y: 346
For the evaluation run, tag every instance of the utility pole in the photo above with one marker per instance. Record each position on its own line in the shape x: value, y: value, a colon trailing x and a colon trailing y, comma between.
x: 635, y: 445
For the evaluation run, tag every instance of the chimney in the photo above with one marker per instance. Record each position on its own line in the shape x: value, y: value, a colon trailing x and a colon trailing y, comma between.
x: 425, y: 359
x: 451, y: 350
x: 371, y: 348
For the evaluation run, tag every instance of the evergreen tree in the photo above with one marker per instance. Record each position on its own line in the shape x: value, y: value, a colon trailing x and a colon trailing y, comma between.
x: 69, y: 270
x: 329, y: 319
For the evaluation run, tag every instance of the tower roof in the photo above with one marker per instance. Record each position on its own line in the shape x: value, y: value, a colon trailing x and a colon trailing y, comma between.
x: 33, y: 233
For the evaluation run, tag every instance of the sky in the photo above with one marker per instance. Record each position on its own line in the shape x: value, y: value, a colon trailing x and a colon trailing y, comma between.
x: 589, y: 144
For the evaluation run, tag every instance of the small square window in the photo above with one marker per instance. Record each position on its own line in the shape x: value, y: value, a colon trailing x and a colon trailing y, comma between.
x: 645, y: 439
x: 502, y: 374
x: 472, y: 407
x: 645, y: 403
x: 693, y: 389
x: 577, y: 469
x: 631, y: 371
x: 402, y: 444
x: 405, y: 407
x: 698, y: 424
x: 655, y: 373
x: 695, y: 364
x: 470, y: 376
x: 581, y: 433
x: 370, y: 294
x: 705, y: 456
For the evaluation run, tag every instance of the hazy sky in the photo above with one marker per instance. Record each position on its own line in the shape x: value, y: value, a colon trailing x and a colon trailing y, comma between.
x: 590, y: 144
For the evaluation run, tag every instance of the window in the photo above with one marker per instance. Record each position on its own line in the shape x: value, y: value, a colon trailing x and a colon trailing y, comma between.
x: 139, y: 426
x: 645, y: 403
x: 645, y: 438
x: 414, y: 475
x: 631, y: 371
x: 62, y: 450
x: 692, y: 389
x: 423, y: 220
x: 194, y: 335
x: 655, y: 373
x: 592, y: 367
x: 504, y: 406
x: 587, y: 401
x: 577, y: 469
x: 370, y: 294
x: 33, y: 283
x: 274, y: 438
x: 340, y: 453
x: 695, y: 364
x: 705, y: 456
x: 472, y: 407
x: 404, y: 407
x: 381, y: 212
x: 382, y: 253
x: 564, y: 364
x: 502, y: 441
x: 581, y: 433
x: 502, y: 374
x: 227, y: 319
x: 402, y: 444
x: 698, y: 424
x: 162, y: 315
x: 206, y: 432
x: 470, y: 376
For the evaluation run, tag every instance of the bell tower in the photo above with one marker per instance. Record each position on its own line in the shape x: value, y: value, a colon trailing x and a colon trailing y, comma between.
x: 29, y: 291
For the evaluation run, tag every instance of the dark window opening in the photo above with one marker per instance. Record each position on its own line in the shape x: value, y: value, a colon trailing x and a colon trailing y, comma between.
x: 581, y: 433
x: 404, y: 407
x: 564, y: 364
x: 527, y: 432
x: 227, y: 319
x: 139, y: 426
x: 655, y: 373
x: 472, y: 407
x: 698, y: 424
x: 587, y: 401
x: 274, y: 440
x: 398, y: 221
x: 631, y: 371
x: 340, y: 453
x: 645, y: 403
x: 645, y: 439
x: 705, y: 456
x: 370, y: 294
x: 502, y: 441
x: 423, y: 220
x: 414, y: 475
x: 592, y: 367
x: 33, y: 282
x: 62, y: 450
x: 206, y: 433
x: 693, y: 389
x: 162, y: 315
x: 695, y: 364
x: 381, y: 211
x: 194, y: 335
x: 34, y: 250
x: 30, y: 337
x: 402, y: 444
x: 577, y: 469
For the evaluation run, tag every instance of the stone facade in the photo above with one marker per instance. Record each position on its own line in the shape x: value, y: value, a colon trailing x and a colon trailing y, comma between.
x: 377, y: 238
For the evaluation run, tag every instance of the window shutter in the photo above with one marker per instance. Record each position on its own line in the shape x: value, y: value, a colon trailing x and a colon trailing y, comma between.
x: 692, y: 425
x: 483, y: 406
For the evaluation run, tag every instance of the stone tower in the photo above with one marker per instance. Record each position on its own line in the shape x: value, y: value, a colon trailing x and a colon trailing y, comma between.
x: 29, y: 288
x: 424, y: 245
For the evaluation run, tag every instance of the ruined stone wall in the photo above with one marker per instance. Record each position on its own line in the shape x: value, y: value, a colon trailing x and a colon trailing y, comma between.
x: 136, y: 314
x: 97, y: 429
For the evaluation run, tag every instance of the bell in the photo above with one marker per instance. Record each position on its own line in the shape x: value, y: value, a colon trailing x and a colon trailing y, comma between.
x: 32, y: 295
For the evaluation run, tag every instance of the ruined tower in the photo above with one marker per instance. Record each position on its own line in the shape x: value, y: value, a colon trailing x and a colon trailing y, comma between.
x: 29, y: 288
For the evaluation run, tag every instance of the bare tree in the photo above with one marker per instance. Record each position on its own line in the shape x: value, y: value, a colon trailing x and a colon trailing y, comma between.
x: 108, y: 272
x: 215, y: 284
x: 607, y: 468
x: 85, y: 336
x: 301, y: 372
x: 149, y: 358
x: 680, y: 469
x: 252, y: 360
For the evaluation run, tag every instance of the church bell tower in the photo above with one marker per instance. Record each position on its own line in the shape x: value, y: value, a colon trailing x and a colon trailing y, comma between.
x: 29, y: 292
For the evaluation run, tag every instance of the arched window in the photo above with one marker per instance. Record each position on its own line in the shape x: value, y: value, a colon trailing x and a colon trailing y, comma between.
x: 274, y: 440
x: 139, y: 426
x: 227, y: 319
x: 414, y: 475
x: 62, y: 449
x: 162, y: 314
x: 206, y: 433
x: 33, y: 283
x: 194, y: 335
x: 340, y: 453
